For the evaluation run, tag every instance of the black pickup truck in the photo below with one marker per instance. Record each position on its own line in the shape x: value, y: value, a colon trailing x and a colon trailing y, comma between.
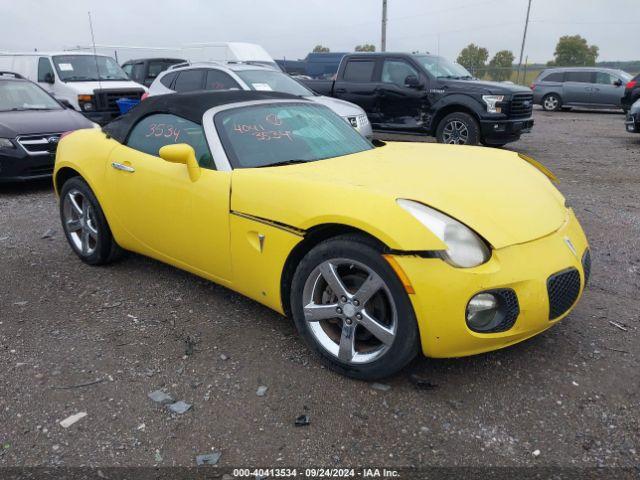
x: 427, y: 94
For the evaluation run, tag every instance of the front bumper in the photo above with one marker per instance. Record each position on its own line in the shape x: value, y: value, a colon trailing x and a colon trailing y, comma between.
x: 632, y: 123
x: 498, y: 132
x: 18, y: 166
x: 442, y: 291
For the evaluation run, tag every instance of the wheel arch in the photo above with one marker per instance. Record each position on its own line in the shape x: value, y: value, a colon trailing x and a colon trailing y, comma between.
x: 62, y: 176
x: 453, y: 108
x: 312, y: 238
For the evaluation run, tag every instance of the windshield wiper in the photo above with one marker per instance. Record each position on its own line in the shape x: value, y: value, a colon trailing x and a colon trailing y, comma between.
x: 285, y: 162
x: 16, y: 109
x: 453, y: 77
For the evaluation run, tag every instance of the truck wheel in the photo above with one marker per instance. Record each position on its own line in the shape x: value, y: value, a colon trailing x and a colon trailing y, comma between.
x: 458, y: 128
x: 551, y: 102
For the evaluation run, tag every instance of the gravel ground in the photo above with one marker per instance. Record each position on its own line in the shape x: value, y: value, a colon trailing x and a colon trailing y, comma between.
x: 571, y: 394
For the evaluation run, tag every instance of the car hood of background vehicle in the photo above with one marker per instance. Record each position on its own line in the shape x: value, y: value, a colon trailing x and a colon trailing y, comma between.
x: 342, y: 108
x: 499, y: 195
x: 635, y: 108
x: 481, y: 86
x: 30, y: 122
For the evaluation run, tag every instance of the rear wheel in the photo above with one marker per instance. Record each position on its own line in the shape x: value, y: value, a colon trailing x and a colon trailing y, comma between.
x: 351, y: 309
x: 552, y: 102
x: 458, y: 128
x: 85, y: 225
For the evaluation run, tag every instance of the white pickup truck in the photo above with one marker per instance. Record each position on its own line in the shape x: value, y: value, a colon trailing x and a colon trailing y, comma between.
x: 88, y: 83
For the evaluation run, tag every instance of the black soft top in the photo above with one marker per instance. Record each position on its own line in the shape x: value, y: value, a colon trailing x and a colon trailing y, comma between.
x: 190, y: 106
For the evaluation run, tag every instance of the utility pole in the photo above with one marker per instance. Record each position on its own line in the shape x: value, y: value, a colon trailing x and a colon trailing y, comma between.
x: 383, y: 41
x: 524, y: 38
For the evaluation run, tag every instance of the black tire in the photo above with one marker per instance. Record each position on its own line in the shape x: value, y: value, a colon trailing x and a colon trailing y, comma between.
x: 451, y: 127
x: 551, y: 102
x: 363, y: 251
x: 101, y: 248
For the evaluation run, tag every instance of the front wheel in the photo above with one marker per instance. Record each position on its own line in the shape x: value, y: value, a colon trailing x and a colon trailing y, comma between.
x: 351, y: 309
x: 458, y: 128
x: 85, y: 225
x: 551, y: 103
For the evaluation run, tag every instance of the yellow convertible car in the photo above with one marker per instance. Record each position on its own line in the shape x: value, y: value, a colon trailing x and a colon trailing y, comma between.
x: 376, y: 252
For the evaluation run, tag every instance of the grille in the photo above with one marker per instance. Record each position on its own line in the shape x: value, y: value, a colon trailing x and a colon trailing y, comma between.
x: 43, y: 144
x: 521, y: 105
x: 509, y: 307
x: 106, y: 99
x: 358, y: 120
x: 586, y: 266
x: 563, y: 289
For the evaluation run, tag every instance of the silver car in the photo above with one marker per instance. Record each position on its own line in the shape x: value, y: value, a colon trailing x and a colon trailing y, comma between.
x: 241, y: 76
x: 557, y: 88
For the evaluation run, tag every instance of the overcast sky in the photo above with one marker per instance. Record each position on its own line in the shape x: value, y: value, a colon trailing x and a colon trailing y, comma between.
x: 290, y: 28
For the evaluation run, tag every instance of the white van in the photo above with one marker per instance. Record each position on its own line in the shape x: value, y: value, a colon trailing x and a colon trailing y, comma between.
x: 89, y: 83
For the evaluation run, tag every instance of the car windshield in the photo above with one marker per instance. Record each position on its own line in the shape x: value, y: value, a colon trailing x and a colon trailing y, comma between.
x: 285, y: 133
x: 86, y: 68
x: 440, y: 67
x: 23, y: 95
x: 273, y: 81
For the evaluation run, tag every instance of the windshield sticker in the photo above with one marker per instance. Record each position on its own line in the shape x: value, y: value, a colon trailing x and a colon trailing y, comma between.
x: 163, y: 130
x: 263, y: 87
x: 260, y: 133
x: 65, y: 67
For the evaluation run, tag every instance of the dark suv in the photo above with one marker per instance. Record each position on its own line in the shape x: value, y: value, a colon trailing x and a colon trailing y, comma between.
x: 145, y: 70
x: 31, y: 123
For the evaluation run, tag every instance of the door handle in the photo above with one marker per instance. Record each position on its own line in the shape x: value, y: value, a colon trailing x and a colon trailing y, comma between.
x: 124, y: 168
x: 340, y: 90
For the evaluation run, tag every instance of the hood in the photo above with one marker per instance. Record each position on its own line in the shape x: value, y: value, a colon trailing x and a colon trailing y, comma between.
x: 31, y: 122
x: 635, y: 108
x: 503, y: 198
x: 342, y: 108
x: 86, y: 88
x: 481, y: 86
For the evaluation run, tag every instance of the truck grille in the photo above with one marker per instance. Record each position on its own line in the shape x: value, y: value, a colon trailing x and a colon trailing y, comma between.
x: 521, y: 105
x: 563, y: 289
x: 106, y: 99
x: 42, y: 144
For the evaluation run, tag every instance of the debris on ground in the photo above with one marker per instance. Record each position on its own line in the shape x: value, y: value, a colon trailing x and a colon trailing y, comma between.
x: 618, y: 325
x: 158, y: 456
x: 223, y: 357
x: 21, y: 304
x: 179, y: 407
x: 302, y: 421
x: 208, y: 458
x: 189, y: 344
x: 421, y: 383
x: 67, y: 422
x: 262, y: 390
x: 159, y: 396
x: 48, y: 234
x: 536, y: 453
x: 383, y: 387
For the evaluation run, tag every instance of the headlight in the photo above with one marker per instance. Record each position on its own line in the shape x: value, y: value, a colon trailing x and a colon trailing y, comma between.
x: 492, y: 101
x: 6, y: 143
x: 464, y: 248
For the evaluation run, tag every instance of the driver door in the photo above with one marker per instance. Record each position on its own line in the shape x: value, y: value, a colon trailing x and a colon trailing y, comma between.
x: 401, y: 105
x: 165, y: 214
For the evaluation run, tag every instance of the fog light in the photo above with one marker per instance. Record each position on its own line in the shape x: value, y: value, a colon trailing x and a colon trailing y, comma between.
x: 482, y: 312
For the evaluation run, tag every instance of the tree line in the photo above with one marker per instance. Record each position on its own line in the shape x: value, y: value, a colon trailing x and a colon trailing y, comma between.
x: 571, y: 50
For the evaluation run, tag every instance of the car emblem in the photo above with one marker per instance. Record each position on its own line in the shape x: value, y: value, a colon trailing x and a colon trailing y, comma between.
x: 570, y: 245
x: 353, y: 121
x: 53, y: 139
x: 526, y: 103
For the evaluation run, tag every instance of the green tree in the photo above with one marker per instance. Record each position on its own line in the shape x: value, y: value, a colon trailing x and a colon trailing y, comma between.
x: 473, y: 58
x: 321, y: 49
x: 367, y: 47
x: 573, y: 50
x: 500, y: 66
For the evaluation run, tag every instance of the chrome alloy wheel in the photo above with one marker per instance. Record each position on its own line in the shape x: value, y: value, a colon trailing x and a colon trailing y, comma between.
x: 455, y: 132
x: 551, y: 102
x: 80, y: 222
x: 350, y: 311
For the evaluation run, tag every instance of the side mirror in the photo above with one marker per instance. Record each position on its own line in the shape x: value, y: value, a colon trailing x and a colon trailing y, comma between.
x: 618, y: 83
x: 412, y: 81
x: 49, y: 78
x: 184, y: 154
